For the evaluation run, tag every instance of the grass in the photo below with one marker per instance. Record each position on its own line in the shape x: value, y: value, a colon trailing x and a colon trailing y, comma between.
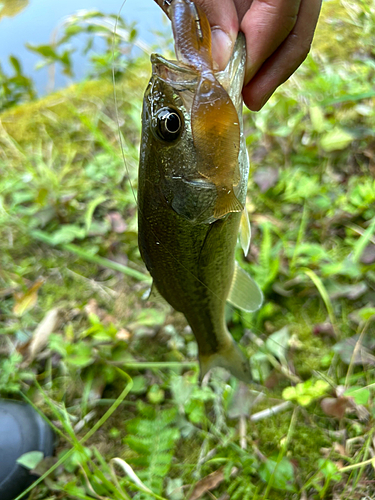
x: 116, y: 375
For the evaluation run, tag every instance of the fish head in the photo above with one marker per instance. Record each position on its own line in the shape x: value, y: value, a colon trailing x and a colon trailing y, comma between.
x: 169, y: 163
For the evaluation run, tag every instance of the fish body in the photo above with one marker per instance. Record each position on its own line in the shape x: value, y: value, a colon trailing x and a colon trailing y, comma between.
x: 187, y: 248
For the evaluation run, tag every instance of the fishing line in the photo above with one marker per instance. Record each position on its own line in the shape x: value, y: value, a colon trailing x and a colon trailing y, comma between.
x: 239, y: 312
x: 115, y: 100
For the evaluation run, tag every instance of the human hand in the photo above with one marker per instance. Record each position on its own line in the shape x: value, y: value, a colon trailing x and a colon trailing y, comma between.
x: 278, y: 38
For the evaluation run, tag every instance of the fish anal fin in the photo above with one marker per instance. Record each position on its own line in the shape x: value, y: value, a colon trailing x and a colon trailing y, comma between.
x: 226, y: 203
x: 155, y: 296
x: 229, y: 357
x: 244, y: 293
x: 245, y: 231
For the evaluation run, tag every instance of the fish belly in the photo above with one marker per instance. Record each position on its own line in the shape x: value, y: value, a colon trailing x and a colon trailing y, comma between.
x: 192, y: 267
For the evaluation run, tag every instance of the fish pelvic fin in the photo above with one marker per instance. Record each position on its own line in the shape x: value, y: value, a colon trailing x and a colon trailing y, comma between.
x: 244, y: 292
x: 229, y: 357
x: 245, y: 231
x: 226, y: 203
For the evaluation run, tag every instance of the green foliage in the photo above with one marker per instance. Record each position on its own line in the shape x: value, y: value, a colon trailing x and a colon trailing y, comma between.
x: 11, y: 374
x: 15, y: 88
x: 116, y: 53
x: 31, y: 459
x: 153, y: 438
x: 306, y: 392
x: 274, y: 350
x: 96, y: 26
x: 278, y: 474
x: 327, y: 473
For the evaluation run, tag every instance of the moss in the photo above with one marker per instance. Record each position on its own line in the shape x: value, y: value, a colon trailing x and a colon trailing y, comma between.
x: 56, y: 117
x: 269, y: 432
x: 307, y: 356
x: 304, y: 445
x: 333, y: 26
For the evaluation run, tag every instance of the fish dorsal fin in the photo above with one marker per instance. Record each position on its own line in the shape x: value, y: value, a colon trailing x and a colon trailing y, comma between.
x: 244, y: 293
x: 245, y: 231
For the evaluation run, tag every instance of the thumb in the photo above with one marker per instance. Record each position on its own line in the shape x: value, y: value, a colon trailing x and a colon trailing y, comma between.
x: 223, y: 19
x: 222, y: 46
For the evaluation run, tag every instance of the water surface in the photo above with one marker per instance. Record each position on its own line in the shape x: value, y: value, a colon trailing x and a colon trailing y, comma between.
x: 36, y: 20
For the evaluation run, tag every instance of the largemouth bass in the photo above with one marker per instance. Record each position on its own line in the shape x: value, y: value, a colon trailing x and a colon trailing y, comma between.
x: 192, y: 187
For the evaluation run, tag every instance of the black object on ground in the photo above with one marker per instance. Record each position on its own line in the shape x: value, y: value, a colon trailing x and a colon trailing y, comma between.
x: 22, y: 430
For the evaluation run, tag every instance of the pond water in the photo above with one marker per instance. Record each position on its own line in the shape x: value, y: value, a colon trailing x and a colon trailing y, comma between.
x: 33, y: 21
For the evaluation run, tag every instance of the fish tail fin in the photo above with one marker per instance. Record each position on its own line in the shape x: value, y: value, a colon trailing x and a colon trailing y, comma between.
x: 226, y: 202
x: 229, y: 357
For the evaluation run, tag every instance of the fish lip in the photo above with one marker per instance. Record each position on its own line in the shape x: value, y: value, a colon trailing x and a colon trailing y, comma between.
x: 172, y: 71
x: 176, y: 66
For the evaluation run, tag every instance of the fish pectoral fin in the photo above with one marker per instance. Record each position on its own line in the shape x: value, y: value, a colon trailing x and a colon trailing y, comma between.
x: 244, y: 293
x: 231, y: 358
x: 245, y: 231
x: 226, y: 203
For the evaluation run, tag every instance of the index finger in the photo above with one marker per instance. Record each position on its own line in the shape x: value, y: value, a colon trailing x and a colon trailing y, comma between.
x: 266, y: 25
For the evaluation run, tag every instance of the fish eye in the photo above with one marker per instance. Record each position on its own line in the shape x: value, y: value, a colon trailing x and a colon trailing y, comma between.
x: 168, y: 124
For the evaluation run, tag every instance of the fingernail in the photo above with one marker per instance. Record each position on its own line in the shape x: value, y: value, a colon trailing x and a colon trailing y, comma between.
x: 250, y: 71
x: 251, y: 67
x: 265, y: 99
x: 222, y: 46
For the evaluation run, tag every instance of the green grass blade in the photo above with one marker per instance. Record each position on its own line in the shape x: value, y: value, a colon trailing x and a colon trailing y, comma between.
x: 102, y: 261
x: 323, y: 293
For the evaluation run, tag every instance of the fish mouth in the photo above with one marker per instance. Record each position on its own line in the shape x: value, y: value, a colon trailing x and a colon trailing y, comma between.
x: 182, y: 77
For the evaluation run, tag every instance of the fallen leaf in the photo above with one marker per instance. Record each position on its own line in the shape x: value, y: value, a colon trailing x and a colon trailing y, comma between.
x: 26, y: 301
x: 335, y: 407
x: 209, y: 483
x: 41, y: 334
x: 92, y: 308
x: 123, y: 334
x: 273, y: 379
x: 362, y: 412
x: 339, y: 448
